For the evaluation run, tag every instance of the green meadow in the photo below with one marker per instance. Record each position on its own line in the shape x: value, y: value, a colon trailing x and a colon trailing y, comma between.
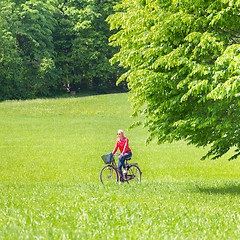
x: 50, y: 152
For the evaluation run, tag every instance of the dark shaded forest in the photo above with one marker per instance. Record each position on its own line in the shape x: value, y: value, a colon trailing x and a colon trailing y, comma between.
x: 51, y: 47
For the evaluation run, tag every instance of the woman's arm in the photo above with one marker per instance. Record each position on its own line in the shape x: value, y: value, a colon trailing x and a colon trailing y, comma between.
x: 125, y: 147
x: 115, y: 149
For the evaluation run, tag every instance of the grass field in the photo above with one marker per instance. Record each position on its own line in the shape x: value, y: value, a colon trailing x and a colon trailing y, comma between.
x: 50, y: 189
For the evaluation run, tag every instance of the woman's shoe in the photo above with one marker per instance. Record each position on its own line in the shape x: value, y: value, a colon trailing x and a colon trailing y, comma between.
x: 125, y: 171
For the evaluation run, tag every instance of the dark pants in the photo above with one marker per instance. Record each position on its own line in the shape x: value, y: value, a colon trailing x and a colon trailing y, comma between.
x: 121, y: 160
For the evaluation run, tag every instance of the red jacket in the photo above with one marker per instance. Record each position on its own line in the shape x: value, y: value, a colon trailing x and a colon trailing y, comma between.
x: 122, y: 145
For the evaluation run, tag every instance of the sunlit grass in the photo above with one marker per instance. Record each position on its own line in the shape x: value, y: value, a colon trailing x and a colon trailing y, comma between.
x: 50, y: 189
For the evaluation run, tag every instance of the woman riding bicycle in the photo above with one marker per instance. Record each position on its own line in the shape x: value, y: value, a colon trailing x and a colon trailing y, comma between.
x: 126, y: 153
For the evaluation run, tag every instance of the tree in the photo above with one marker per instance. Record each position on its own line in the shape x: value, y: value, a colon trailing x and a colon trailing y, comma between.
x: 33, y: 30
x: 184, y: 60
x: 26, y: 46
x: 10, y: 61
x: 81, y: 43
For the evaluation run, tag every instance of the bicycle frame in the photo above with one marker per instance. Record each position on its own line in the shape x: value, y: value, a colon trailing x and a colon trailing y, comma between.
x: 120, y: 176
x: 114, y: 165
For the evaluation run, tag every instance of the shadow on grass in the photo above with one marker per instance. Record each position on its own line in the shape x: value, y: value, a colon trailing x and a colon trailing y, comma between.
x: 226, y: 189
x: 83, y: 93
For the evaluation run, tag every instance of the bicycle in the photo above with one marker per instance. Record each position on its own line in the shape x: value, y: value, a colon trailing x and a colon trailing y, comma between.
x: 111, y: 174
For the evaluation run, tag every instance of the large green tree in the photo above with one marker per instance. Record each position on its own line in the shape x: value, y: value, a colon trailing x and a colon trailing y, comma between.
x: 184, y: 60
x: 27, y: 49
x: 10, y: 60
x: 33, y: 29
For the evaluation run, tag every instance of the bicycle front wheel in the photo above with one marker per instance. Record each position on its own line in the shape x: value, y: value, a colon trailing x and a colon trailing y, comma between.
x: 108, y: 175
x: 134, y: 174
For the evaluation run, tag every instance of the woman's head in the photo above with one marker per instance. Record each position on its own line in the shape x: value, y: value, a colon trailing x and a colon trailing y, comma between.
x: 120, y: 133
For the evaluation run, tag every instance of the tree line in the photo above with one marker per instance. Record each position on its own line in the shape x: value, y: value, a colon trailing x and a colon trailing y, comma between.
x: 49, y: 47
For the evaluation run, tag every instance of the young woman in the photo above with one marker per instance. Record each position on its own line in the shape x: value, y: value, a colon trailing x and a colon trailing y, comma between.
x: 126, y: 153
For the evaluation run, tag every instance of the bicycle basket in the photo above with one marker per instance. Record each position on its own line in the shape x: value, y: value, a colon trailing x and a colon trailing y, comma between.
x: 107, y: 158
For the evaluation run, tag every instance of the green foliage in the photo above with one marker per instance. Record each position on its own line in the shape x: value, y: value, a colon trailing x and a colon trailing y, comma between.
x: 81, y: 40
x: 34, y: 35
x: 10, y: 61
x: 48, y: 44
x: 50, y: 188
x: 30, y: 66
x: 184, y: 69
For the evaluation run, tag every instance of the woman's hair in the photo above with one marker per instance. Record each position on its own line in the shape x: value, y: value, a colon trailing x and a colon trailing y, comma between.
x: 121, y: 131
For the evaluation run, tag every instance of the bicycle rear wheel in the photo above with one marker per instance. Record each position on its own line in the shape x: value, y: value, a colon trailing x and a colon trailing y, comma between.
x: 108, y: 175
x: 134, y: 174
